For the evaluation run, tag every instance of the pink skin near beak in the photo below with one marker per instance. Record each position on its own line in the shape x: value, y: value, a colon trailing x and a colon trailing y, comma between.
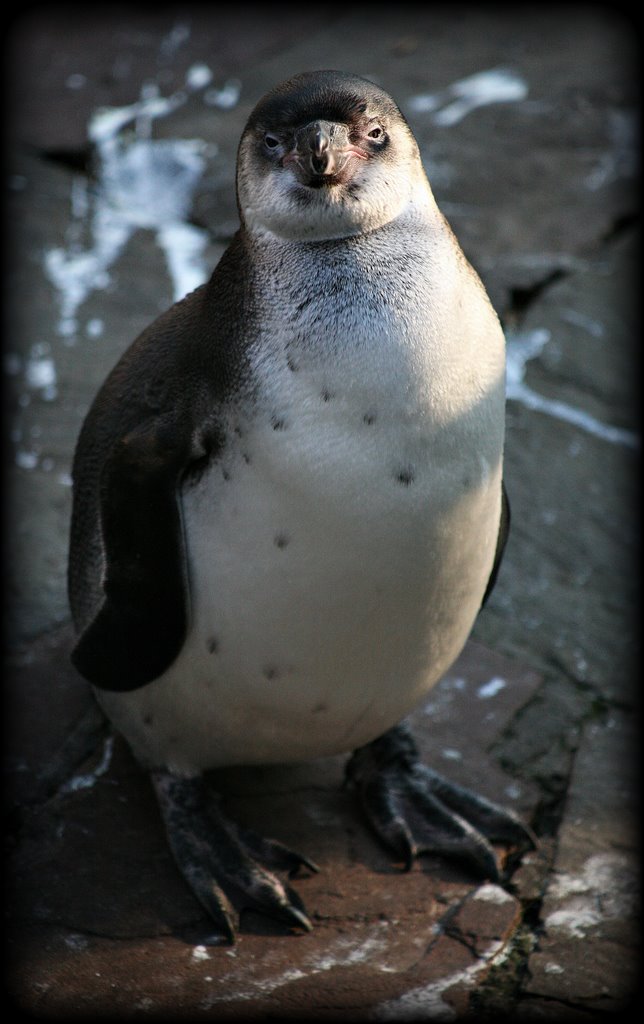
x: 341, y: 156
x: 322, y: 151
x: 337, y: 158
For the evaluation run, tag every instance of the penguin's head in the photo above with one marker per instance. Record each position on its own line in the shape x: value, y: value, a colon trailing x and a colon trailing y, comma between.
x: 326, y: 155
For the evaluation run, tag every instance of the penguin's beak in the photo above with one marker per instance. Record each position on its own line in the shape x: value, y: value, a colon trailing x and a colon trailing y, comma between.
x: 323, y: 154
x: 323, y: 158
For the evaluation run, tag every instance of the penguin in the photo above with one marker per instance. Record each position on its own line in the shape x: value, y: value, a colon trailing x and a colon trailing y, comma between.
x: 288, y: 504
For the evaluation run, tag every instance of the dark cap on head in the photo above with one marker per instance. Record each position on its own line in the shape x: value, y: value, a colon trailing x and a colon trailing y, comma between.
x: 332, y: 95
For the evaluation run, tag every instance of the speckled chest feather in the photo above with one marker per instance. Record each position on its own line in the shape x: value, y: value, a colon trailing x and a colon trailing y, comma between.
x: 339, y: 546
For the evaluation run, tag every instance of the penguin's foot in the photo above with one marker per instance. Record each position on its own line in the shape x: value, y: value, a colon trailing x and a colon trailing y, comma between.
x: 224, y: 864
x: 415, y: 810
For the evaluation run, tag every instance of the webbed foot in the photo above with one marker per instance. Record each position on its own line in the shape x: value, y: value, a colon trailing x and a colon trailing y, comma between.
x: 226, y: 865
x: 415, y: 810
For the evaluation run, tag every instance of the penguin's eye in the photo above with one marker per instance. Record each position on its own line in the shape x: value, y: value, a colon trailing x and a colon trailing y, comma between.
x: 377, y: 132
x: 271, y: 141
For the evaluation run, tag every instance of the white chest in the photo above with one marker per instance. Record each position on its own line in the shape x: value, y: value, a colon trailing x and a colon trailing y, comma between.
x: 339, y: 550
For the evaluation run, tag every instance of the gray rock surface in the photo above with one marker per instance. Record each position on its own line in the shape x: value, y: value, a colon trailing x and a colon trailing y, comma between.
x: 527, y: 125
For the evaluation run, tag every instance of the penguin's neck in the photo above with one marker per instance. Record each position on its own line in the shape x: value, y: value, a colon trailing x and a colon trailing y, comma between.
x: 419, y: 208
x: 376, y: 321
x: 355, y: 293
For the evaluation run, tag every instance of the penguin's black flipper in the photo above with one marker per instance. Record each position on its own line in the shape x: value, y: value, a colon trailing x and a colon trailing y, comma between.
x: 415, y: 810
x: 501, y: 541
x: 141, y: 624
x: 226, y: 866
x: 151, y: 429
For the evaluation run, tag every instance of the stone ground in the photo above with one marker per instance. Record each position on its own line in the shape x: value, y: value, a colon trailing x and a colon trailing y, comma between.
x: 535, y: 167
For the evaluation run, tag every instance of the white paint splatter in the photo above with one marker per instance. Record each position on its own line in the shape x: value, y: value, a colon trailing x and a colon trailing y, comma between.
x: 444, y: 693
x: 252, y: 986
x: 94, y: 327
x: 451, y: 755
x: 453, y: 683
x: 145, y: 1004
x: 183, y: 245
x: 491, y: 688
x: 86, y: 781
x: 240, y: 985
x: 552, y: 968
x: 587, y: 323
x: 426, y: 1002
x: 198, y: 76
x: 225, y: 98
x: 605, y: 889
x: 26, y: 459
x: 450, y: 105
x: 575, y: 919
x: 523, y: 347
x: 345, y: 952
x: 200, y: 953
x: 142, y: 184
x: 176, y: 37
x: 40, y: 375
x: 490, y: 893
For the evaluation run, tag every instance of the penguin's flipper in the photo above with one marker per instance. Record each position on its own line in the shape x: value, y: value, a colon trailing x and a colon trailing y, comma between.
x: 225, y: 865
x: 141, y: 623
x: 415, y: 810
x: 501, y: 541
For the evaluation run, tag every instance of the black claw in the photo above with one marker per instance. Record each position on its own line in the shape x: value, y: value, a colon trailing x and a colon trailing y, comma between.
x: 280, y: 902
x: 310, y: 864
x: 415, y: 810
x: 223, y: 862
x: 410, y: 857
x: 228, y: 930
x: 481, y: 856
x: 490, y: 819
x: 212, y: 899
x: 299, y: 917
x: 273, y: 853
x: 403, y: 842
